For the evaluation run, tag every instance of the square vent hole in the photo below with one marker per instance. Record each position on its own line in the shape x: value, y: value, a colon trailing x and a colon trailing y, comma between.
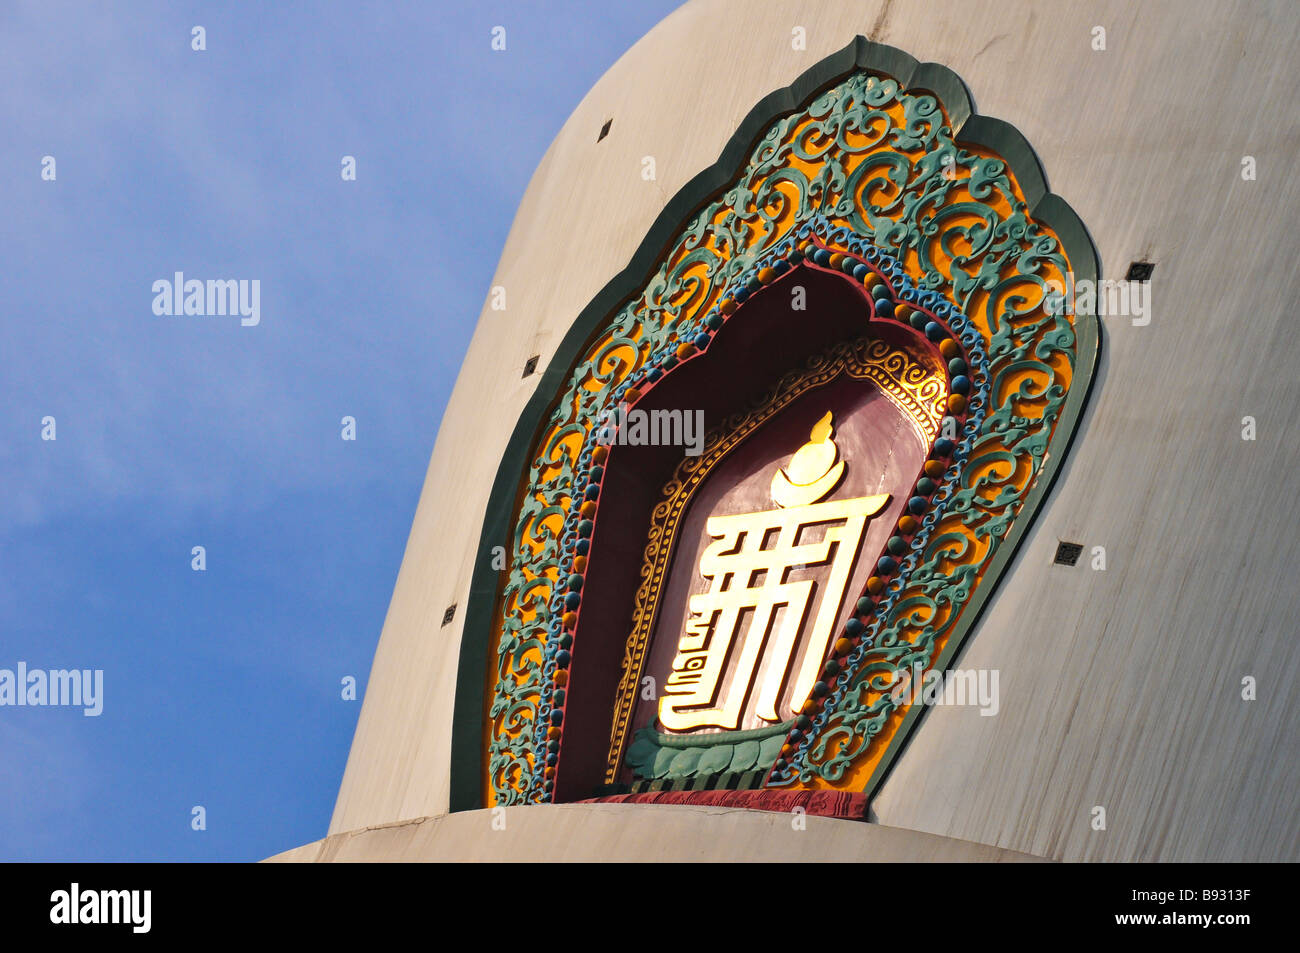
x: 1067, y: 554
x: 1140, y: 271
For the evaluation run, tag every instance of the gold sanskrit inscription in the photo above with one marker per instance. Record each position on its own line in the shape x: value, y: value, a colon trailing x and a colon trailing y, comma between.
x: 752, y: 609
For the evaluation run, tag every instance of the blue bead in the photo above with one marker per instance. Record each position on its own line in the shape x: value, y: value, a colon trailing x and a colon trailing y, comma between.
x: 572, y: 600
x: 961, y: 385
x: 654, y: 374
x: 701, y: 341
x: 780, y: 266
x: 557, y: 717
x: 860, y: 271
x: 821, y: 256
x: 582, y: 547
x: 592, y: 491
x: 562, y: 659
x: 886, y: 565
x: 853, y: 627
x: 917, y: 505
x: 934, y: 331
x: 944, y: 447
x: 740, y: 295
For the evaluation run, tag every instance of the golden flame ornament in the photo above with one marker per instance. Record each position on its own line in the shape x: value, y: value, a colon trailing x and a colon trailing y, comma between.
x: 813, y: 471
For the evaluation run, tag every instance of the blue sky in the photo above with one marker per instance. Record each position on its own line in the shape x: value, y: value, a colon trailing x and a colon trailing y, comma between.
x: 222, y: 687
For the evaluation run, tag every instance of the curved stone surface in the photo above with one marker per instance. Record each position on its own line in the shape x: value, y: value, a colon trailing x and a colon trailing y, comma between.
x: 634, y: 832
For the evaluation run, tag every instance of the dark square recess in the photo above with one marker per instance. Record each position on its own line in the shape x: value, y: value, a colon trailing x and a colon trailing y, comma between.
x: 1067, y: 554
x: 1140, y: 271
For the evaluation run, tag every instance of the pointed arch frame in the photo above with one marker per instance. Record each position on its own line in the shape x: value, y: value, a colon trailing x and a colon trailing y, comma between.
x: 967, y: 128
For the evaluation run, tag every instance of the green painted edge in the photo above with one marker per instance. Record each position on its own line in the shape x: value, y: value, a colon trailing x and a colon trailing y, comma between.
x: 720, y: 738
x: 468, y: 714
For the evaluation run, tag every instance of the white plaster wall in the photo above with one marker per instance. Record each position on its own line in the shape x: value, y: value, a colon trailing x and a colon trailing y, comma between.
x: 1118, y: 688
x: 637, y: 832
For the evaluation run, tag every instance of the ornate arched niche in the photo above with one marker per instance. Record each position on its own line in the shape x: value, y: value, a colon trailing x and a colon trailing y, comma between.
x: 850, y: 315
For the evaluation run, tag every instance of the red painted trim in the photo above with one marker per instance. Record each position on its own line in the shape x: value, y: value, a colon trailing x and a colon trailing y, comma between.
x: 846, y: 805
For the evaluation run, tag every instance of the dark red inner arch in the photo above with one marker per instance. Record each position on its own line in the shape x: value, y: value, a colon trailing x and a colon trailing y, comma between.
x: 760, y: 342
